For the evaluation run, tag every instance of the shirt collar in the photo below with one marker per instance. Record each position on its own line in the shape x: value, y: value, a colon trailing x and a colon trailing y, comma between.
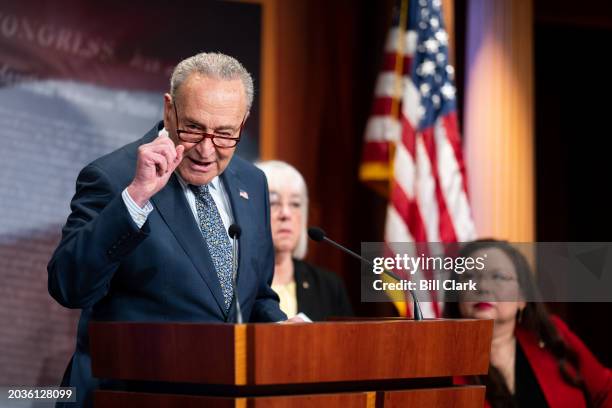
x: 214, y: 183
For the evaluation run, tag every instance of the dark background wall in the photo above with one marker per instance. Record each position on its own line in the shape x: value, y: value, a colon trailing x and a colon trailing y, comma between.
x: 572, y: 89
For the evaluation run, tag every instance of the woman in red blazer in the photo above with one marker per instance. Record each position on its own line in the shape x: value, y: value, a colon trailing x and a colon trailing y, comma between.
x: 536, y: 361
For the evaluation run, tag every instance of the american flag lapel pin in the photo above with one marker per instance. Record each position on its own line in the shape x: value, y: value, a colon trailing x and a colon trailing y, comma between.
x: 244, y: 194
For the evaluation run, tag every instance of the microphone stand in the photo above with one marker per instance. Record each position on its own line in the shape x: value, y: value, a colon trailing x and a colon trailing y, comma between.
x: 317, y: 234
x: 234, y: 232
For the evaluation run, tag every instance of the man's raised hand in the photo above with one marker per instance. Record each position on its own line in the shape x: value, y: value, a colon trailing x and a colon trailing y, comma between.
x: 154, y: 165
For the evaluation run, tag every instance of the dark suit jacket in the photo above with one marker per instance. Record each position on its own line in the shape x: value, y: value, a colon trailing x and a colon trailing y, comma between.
x: 113, y: 270
x: 320, y: 293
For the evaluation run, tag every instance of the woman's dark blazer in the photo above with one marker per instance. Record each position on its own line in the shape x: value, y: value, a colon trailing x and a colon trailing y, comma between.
x: 320, y: 294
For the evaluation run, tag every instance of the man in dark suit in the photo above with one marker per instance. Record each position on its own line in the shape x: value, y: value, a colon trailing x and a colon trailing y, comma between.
x: 147, y: 237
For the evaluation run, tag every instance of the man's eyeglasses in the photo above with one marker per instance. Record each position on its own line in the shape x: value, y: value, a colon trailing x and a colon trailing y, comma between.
x: 195, y: 136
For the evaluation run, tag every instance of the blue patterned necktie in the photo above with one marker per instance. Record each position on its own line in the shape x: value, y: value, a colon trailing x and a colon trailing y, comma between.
x: 218, y: 243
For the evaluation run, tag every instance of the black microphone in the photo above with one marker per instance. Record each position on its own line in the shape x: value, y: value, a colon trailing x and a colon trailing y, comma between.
x: 234, y: 232
x: 318, y: 235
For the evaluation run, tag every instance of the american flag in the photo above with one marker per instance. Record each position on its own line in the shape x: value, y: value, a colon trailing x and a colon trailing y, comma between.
x: 412, y: 143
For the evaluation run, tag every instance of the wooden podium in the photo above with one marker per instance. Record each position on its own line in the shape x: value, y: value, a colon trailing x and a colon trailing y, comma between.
x: 382, y: 363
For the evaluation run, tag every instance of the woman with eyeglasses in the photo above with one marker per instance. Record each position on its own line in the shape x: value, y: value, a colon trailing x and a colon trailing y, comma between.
x: 536, y: 360
x: 302, y: 287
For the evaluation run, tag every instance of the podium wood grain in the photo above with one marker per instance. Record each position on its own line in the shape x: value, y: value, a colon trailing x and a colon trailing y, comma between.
x: 265, y: 354
x: 118, y: 399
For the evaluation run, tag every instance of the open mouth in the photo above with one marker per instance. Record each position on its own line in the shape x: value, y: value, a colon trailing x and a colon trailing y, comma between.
x: 201, y: 165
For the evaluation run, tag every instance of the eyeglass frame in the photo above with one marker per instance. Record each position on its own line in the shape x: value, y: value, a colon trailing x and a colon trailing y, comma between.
x: 278, y: 206
x: 205, y: 135
x: 494, y: 277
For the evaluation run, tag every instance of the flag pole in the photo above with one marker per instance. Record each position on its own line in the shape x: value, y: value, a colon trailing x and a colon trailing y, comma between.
x: 396, y: 113
x: 397, y: 89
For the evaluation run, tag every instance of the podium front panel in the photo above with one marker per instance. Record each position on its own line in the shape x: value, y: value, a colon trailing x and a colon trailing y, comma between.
x: 286, y: 354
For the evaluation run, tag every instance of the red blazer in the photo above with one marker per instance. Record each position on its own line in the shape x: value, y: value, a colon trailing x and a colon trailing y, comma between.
x: 558, y: 393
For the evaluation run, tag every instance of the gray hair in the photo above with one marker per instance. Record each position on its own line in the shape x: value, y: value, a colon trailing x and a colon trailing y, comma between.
x: 279, y: 175
x: 213, y: 65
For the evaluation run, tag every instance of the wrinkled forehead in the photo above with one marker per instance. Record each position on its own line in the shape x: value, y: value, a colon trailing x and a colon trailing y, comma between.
x: 201, y: 91
x: 285, y: 192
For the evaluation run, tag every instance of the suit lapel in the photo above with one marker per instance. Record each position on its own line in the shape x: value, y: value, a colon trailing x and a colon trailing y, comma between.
x: 302, y: 287
x: 174, y: 209
x: 240, y: 210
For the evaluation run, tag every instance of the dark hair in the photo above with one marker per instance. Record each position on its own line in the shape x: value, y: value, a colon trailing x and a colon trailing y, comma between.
x: 535, y: 319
